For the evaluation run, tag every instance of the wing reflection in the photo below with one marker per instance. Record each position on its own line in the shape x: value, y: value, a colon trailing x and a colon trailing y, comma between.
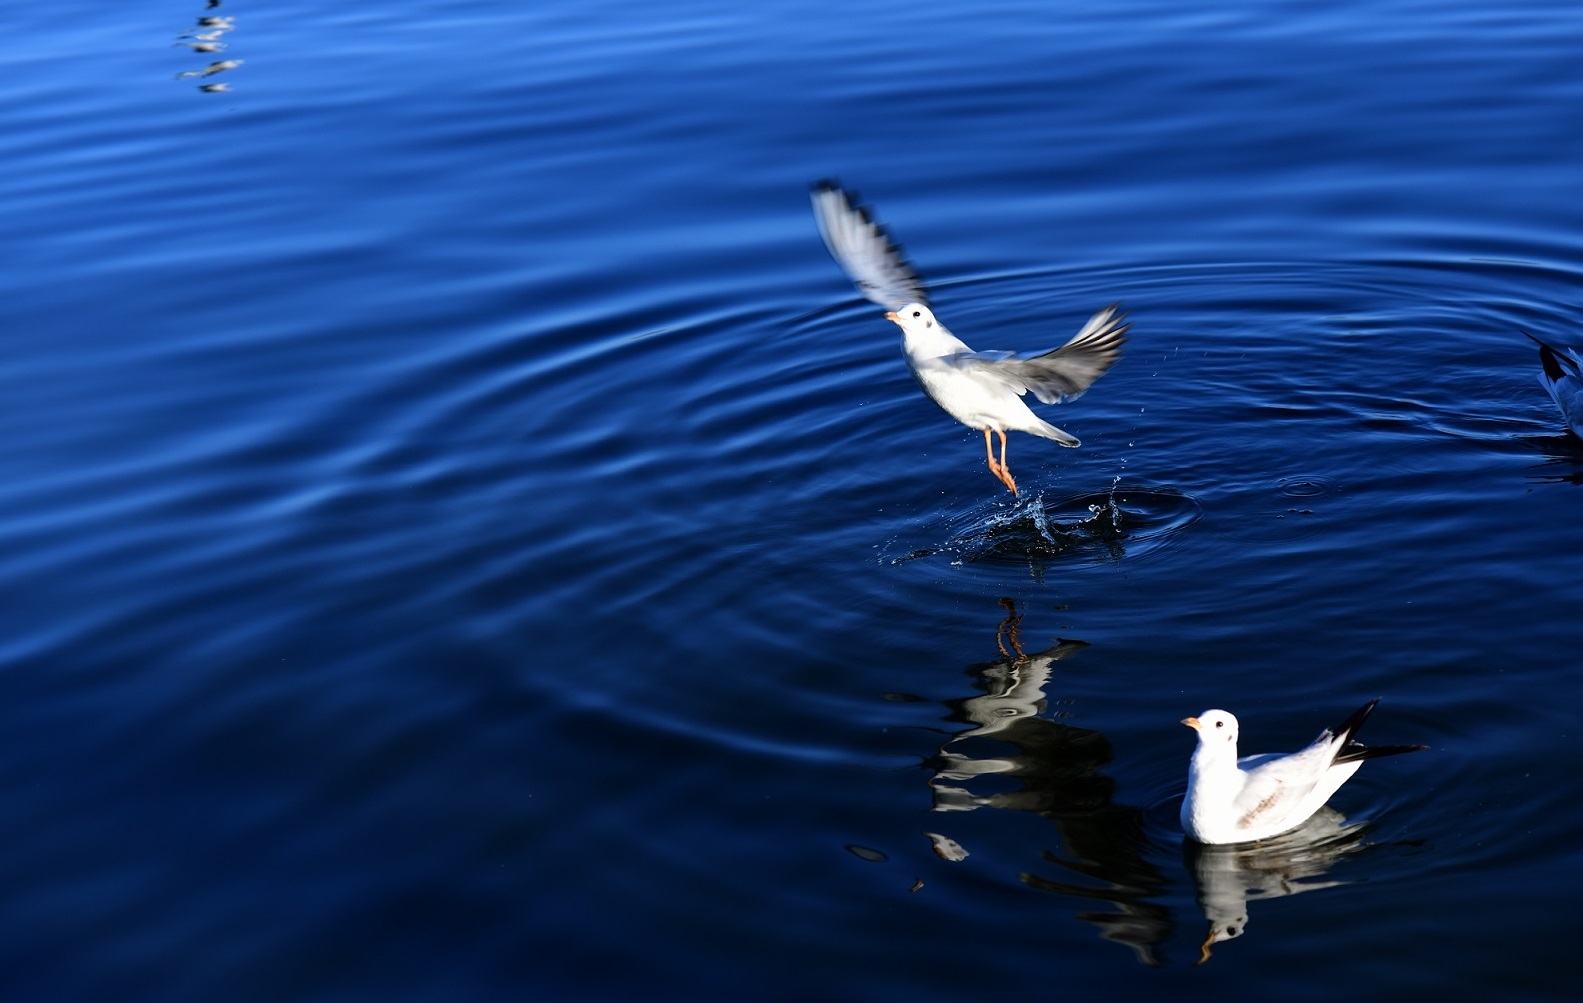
x: 1229, y: 877
x: 1013, y: 753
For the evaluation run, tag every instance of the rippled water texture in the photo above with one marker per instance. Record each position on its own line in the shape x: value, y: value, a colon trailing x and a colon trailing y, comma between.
x: 466, y: 540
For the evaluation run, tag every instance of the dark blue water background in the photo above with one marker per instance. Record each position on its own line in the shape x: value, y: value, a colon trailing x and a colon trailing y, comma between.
x: 463, y: 539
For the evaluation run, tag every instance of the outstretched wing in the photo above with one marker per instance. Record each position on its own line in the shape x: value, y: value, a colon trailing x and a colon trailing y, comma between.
x: 1061, y: 374
x: 864, y: 249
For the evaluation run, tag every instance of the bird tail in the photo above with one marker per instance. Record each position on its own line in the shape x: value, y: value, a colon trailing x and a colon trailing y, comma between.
x: 1357, y: 752
x: 1353, y: 751
x: 1049, y: 431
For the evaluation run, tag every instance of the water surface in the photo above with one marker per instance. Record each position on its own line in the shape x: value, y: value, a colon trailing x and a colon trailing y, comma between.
x: 466, y: 540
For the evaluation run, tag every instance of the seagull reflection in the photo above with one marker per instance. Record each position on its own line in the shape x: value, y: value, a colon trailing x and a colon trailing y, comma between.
x: 1232, y: 875
x: 1058, y: 770
x: 206, y: 39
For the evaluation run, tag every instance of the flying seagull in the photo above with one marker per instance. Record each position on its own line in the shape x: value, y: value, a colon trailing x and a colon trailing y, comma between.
x: 982, y: 390
x: 1231, y: 800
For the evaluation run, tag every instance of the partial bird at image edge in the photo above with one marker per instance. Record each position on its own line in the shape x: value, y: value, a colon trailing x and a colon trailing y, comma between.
x: 1561, y: 374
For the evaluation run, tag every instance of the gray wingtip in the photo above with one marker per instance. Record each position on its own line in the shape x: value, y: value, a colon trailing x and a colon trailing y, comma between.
x: 835, y: 206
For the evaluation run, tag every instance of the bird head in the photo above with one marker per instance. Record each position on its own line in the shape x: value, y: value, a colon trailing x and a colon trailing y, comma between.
x: 1214, y: 727
x: 912, y: 317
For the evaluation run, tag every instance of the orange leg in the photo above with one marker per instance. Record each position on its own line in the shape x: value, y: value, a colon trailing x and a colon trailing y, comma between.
x: 1005, y: 471
x: 999, y: 468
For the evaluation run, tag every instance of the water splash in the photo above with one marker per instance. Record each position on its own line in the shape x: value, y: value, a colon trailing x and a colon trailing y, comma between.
x: 1093, y: 528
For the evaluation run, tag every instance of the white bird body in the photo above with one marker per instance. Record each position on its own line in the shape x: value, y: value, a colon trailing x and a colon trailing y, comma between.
x: 979, y: 402
x: 982, y: 390
x: 1561, y: 375
x: 1232, y: 800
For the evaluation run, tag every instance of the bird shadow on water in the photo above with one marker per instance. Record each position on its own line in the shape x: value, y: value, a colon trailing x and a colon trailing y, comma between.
x: 1091, y: 528
x: 1119, y: 860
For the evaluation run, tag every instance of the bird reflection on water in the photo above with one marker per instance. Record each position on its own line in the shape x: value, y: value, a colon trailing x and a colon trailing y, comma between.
x: 1228, y: 877
x: 206, y: 38
x: 1563, y: 462
x: 1059, y: 769
x: 1110, y: 853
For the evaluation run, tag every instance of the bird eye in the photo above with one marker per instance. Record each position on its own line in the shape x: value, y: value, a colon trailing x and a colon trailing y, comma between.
x: 917, y: 313
x: 1220, y: 724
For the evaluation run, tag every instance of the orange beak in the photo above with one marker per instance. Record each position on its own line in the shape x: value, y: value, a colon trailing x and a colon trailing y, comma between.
x: 890, y: 315
x: 1191, y: 722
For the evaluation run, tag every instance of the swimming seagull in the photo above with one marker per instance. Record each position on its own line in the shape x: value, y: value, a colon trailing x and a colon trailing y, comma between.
x: 982, y: 390
x: 1562, y: 376
x: 1231, y: 800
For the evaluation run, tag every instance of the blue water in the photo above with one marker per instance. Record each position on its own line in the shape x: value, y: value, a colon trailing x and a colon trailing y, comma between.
x: 464, y: 539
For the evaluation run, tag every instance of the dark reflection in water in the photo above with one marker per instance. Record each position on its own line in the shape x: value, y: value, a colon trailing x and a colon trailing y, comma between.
x: 1058, y: 770
x: 1110, y: 853
x: 208, y: 37
x: 1563, y: 463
